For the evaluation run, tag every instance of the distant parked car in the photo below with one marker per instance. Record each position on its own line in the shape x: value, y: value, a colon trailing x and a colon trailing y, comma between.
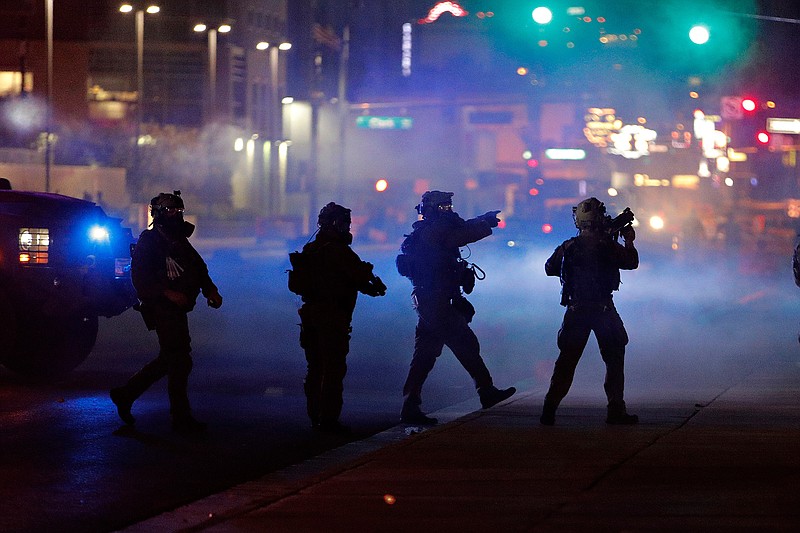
x: 63, y: 263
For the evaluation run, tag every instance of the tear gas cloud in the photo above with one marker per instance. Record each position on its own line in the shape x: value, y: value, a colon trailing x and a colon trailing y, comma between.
x: 695, y: 323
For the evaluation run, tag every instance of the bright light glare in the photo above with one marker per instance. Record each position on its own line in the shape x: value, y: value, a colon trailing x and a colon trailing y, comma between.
x: 225, y: 28
x: 381, y: 185
x: 699, y: 35
x: 98, y: 234
x: 153, y: 9
x: 200, y: 27
x: 263, y: 45
x: 729, y: 182
x: 25, y: 240
x: 542, y: 15
x: 656, y: 222
x: 612, y: 191
x: 126, y: 8
x: 284, y: 46
x: 547, y: 228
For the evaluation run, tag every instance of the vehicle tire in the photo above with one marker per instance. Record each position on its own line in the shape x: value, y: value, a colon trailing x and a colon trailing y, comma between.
x: 8, y: 321
x: 51, y: 347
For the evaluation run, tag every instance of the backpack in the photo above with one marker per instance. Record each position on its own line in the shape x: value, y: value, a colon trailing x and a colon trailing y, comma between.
x: 303, y: 276
x: 405, y: 261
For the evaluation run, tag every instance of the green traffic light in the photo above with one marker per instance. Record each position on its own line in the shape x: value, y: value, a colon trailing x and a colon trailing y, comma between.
x: 542, y: 15
x: 699, y: 34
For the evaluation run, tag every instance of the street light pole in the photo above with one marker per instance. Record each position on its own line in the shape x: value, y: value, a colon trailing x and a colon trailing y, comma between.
x: 212, y: 65
x: 49, y: 118
x: 139, y: 91
x: 139, y: 18
x: 275, y: 189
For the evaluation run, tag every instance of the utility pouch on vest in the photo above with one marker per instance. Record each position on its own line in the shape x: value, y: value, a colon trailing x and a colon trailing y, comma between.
x: 466, y: 276
x: 464, y: 307
x: 404, y: 264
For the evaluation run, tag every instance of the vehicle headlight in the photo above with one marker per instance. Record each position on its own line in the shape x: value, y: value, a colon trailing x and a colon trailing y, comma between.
x: 34, y: 245
x: 98, y: 234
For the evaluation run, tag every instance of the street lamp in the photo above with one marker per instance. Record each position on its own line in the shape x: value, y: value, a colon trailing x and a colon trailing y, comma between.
x: 275, y: 129
x: 48, y: 6
x: 201, y: 27
x: 152, y: 10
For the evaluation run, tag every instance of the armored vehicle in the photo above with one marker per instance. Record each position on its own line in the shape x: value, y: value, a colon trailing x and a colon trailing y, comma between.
x: 63, y: 263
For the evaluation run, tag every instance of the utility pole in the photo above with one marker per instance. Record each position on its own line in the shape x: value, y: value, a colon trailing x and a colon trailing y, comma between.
x: 344, y: 59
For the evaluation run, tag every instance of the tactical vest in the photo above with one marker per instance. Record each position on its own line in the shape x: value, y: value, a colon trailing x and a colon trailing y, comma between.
x: 588, y: 272
x: 429, y: 266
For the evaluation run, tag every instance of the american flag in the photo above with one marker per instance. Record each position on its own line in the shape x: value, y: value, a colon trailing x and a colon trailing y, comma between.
x: 326, y: 36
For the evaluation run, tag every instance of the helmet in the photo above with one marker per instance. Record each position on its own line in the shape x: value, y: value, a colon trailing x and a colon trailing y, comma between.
x: 589, y: 213
x: 166, y: 202
x: 431, y: 200
x: 334, y: 216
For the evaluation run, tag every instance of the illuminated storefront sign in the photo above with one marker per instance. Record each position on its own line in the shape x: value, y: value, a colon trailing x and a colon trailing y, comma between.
x: 569, y: 154
x: 632, y: 141
x: 443, y: 7
x: 783, y: 125
x: 600, y: 124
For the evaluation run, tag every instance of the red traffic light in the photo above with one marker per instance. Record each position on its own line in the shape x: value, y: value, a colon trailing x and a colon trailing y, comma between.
x: 533, y: 163
x: 749, y: 105
x: 762, y: 137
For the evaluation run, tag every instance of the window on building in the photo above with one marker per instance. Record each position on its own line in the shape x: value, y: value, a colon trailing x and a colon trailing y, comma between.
x: 11, y: 83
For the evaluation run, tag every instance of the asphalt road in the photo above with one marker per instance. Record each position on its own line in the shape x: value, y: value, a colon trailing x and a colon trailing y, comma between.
x: 68, y: 464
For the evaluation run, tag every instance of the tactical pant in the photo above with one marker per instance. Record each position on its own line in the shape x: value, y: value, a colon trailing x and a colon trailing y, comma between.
x: 174, y: 361
x: 579, y: 321
x: 325, y: 338
x: 441, y: 324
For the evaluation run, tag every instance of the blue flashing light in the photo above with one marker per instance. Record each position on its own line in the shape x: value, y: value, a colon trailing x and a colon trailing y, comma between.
x: 98, y: 234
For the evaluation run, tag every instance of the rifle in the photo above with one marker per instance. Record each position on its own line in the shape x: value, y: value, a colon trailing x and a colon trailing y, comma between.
x: 615, y: 225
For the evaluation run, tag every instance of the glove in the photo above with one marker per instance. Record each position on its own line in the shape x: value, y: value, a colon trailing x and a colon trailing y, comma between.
x: 490, y: 217
x: 376, y: 287
x: 628, y: 233
x: 214, y: 300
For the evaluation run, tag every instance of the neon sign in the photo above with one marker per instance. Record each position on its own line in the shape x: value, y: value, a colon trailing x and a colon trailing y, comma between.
x: 443, y: 7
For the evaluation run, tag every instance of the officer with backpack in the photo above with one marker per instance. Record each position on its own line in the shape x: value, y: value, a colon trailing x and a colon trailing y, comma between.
x: 589, y: 266
x: 328, y: 275
x: 431, y: 259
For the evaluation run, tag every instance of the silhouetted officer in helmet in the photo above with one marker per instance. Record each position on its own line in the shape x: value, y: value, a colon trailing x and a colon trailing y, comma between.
x: 431, y: 259
x: 338, y: 275
x: 589, y: 266
x: 168, y: 275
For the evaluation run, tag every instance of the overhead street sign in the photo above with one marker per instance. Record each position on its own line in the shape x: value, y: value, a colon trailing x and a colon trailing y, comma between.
x: 783, y: 125
x: 384, y: 123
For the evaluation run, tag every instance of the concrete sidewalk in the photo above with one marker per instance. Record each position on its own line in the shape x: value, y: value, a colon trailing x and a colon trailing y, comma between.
x: 730, y: 463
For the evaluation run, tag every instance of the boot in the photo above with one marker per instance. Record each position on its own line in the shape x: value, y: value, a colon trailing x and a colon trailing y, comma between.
x: 187, y: 424
x: 548, y: 417
x: 491, y: 396
x: 333, y: 427
x: 123, y: 404
x: 413, y: 415
x: 621, y: 418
